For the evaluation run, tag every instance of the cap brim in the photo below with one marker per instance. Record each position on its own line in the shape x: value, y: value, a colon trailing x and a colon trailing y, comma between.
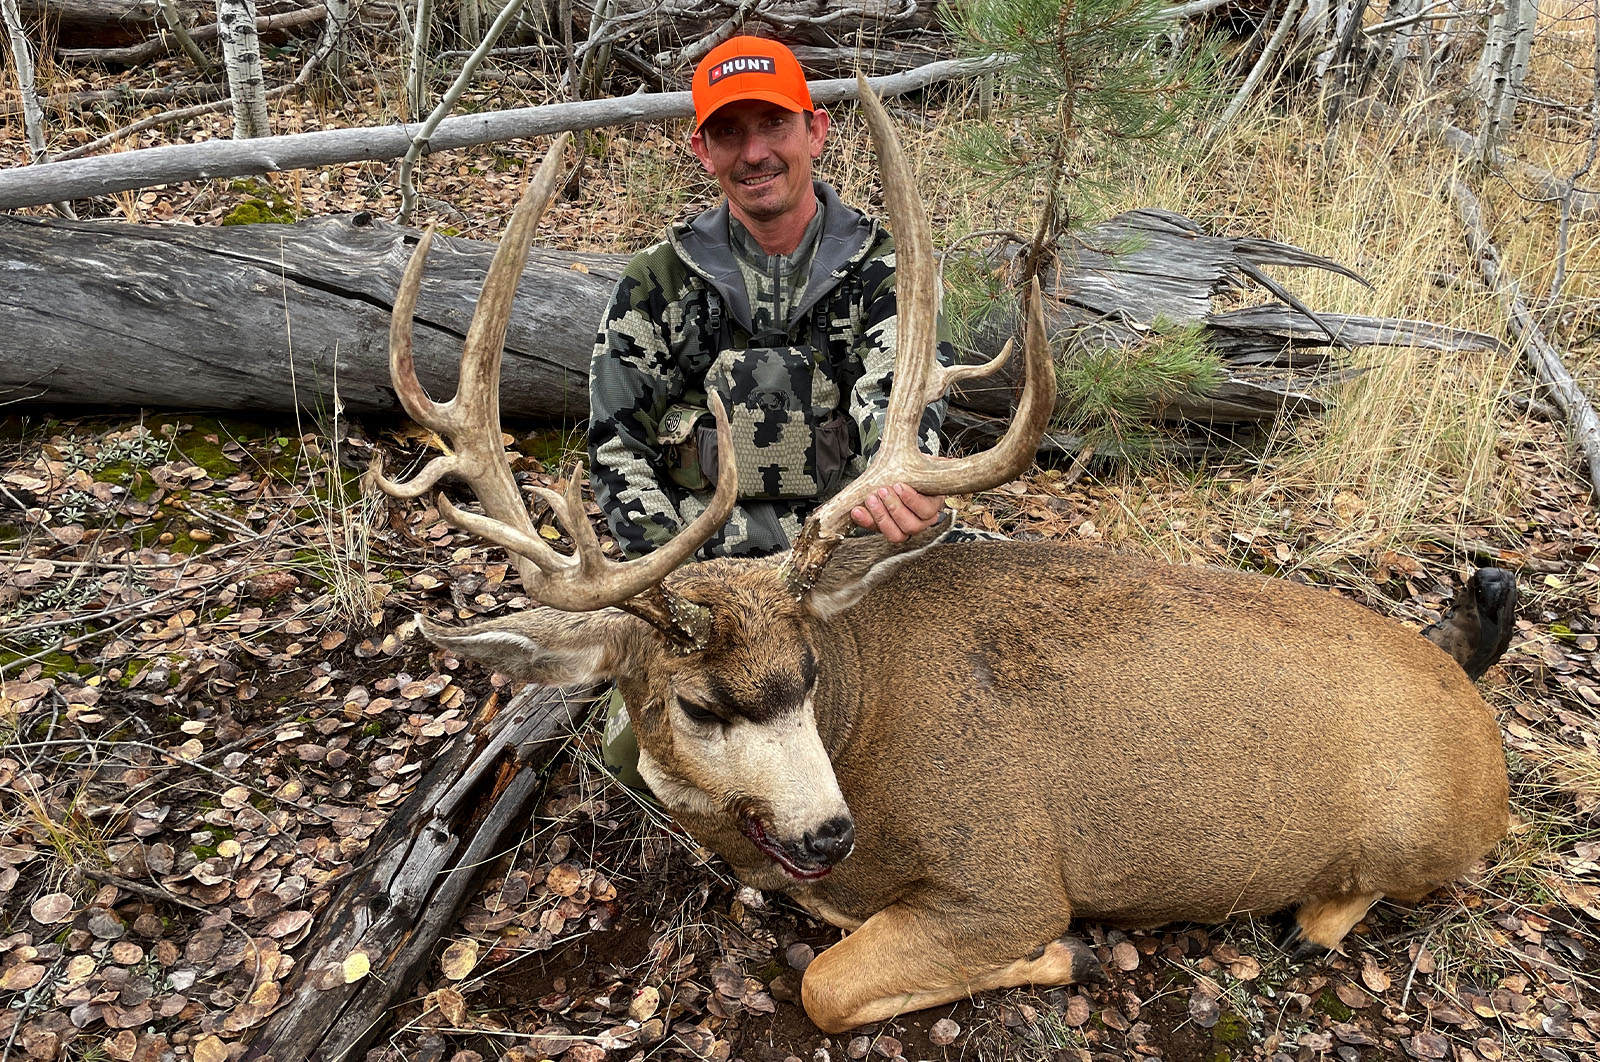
x: 781, y: 99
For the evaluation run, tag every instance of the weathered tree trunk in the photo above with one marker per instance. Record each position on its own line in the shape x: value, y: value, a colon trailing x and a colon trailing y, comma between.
x: 241, y: 55
x: 98, y: 22
x: 103, y: 313
x: 1501, y: 70
x: 227, y: 158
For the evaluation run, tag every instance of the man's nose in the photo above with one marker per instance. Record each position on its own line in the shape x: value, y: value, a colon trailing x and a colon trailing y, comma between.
x: 753, y: 149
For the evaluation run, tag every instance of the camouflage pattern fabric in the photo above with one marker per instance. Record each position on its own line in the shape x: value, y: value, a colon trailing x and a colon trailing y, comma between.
x: 661, y: 344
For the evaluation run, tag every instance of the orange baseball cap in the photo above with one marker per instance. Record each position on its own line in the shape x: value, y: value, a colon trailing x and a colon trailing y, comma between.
x: 748, y: 68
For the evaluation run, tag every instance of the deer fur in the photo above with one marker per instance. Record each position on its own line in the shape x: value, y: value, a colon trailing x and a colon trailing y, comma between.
x: 1027, y: 733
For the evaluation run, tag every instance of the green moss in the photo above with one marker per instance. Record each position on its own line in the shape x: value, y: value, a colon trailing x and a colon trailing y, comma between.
x: 1221, y: 1054
x: 1330, y: 1004
x: 54, y: 664
x: 372, y: 729
x: 258, y: 212
x: 1231, y: 1029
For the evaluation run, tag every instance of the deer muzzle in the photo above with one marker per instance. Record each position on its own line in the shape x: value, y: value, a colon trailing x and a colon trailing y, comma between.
x: 814, y: 855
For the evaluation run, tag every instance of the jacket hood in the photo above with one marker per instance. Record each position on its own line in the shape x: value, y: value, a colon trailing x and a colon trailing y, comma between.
x: 847, y: 236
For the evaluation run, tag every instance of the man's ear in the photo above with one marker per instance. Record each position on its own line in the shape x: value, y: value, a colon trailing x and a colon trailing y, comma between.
x: 697, y: 144
x: 817, y: 128
x: 860, y: 563
x: 550, y: 647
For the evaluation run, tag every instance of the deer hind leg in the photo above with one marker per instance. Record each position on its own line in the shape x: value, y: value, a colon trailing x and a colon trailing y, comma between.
x: 1321, y: 924
x: 902, y: 960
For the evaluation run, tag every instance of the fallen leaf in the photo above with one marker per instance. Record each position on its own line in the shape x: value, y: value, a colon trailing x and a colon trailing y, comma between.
x: 356, y: 966
x: 1372, y: 974
x: 1124, y: 956
x: 210, y: 1049
x: 459, y: 959
x: 22, y: 976
x: 52, y: 909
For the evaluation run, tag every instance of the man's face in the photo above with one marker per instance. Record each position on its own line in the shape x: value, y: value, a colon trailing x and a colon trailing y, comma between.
x: 761, y: 153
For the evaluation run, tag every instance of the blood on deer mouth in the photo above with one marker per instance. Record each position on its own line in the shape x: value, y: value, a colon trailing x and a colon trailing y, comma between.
x: 759, y: 837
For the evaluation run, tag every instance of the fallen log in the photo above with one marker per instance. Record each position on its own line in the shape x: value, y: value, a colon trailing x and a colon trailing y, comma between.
x: 262, y: 316
x: 410, y: 883
x: 1542, y: 356
x: 167, y: 44
x: 211, y: 159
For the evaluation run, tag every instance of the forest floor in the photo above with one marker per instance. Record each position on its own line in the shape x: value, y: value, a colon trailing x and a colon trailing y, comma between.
x: 206, y: 710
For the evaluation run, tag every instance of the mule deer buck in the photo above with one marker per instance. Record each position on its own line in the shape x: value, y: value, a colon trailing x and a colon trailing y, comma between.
x: 1106, y: 738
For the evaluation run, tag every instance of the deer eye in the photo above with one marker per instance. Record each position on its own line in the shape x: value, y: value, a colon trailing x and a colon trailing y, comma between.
x: 699, y: 713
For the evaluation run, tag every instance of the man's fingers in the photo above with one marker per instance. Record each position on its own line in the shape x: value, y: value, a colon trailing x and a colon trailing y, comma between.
x: 926, y: 506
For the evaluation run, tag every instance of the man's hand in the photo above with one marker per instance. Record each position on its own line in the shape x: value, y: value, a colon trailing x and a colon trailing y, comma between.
x: 899, y: 513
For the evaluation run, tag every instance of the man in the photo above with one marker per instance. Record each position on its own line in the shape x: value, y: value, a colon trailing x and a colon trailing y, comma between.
x: 781, y: 299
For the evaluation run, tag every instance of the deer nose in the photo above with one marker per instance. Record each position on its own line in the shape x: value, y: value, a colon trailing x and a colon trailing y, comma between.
x: 833, y: 840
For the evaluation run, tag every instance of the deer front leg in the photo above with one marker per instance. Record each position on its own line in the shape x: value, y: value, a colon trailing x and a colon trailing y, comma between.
x: 902, y: 959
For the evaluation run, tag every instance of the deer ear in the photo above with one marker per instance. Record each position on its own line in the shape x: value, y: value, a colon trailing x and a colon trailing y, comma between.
x: 858, y: 564
x: 550, y: 647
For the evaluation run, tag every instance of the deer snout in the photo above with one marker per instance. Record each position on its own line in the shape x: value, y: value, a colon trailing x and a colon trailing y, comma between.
x: 832, y: 841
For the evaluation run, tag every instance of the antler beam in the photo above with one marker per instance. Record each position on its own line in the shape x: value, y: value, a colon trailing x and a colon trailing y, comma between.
x: 470, y: 422
x: 919, y: 378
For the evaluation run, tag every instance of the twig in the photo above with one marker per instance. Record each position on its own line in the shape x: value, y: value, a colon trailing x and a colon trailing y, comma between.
x: 142, y: 604
x: 1425, y: 15
x: 1545, y: 359
x: 419, y: 143
x: 179, y: 115
x: 1405, y: 996
x: 1178, y: 12
x: 702, y: 47
x: 151, y: 891
x: 174, y: 21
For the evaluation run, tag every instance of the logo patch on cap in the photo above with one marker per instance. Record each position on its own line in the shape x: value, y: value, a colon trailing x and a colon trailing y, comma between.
x: 741, y: 64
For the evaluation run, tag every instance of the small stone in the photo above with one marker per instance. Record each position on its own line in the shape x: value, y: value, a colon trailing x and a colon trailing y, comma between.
x: 888, y: 1047
x: 858, y: 1047
x: 799, y: 956
x: 943, y: 1033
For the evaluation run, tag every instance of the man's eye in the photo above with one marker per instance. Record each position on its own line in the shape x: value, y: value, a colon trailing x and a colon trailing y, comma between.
x: 699, y: 713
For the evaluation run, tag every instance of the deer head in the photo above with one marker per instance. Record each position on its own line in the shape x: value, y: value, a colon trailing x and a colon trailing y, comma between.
x: 723, y: 663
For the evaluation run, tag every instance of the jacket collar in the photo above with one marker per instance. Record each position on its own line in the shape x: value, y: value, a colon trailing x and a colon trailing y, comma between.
x: 847, y: 235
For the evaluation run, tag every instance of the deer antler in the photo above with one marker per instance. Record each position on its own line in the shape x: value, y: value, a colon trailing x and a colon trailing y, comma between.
x: 470, y: 422
x: 919, y: 378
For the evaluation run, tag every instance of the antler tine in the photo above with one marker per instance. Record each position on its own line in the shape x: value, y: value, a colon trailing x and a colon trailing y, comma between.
x: 471, y: 420
x: 919, y: 379
x: 585, y: 580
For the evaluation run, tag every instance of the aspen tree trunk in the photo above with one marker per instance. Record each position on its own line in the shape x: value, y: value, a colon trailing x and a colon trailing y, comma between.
x: 32, y: 113
x: 1502, y: 69
x: 417, y: 74
x: 333, y: 47
x: 241, y: 55
x: 470, y: 22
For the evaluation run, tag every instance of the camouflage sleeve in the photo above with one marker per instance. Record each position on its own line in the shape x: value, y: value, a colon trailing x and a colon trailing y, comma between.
x: 633, y: 378
x: 869, y: 400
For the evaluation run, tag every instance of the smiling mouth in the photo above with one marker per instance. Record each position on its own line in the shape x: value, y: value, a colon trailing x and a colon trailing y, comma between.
x: 772, y: 850
x: 759, y: 180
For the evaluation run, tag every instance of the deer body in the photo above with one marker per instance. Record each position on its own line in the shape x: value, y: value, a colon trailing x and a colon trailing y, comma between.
x: 953, y: 750
x: 1165, y: 743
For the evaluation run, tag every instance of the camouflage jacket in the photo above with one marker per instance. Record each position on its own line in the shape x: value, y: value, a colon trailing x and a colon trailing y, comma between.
x: 806, y: 397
